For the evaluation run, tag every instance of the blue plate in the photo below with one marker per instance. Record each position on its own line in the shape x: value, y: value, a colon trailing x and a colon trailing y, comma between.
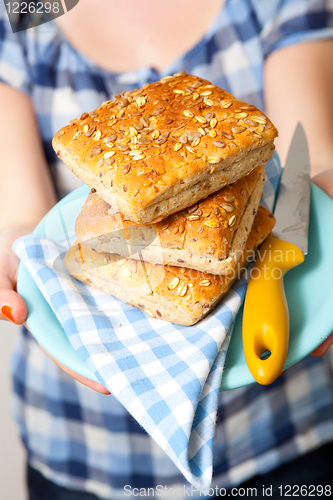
x: 309, y: 291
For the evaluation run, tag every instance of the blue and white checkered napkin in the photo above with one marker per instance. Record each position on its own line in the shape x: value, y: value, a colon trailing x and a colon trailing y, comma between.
x: 167, y: 376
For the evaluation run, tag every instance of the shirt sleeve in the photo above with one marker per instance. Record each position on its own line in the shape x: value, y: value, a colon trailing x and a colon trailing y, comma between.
x: 14, y: 67
x: 286, y: 22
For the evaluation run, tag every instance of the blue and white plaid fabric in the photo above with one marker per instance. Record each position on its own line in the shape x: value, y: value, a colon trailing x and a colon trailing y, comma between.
x: 87, y: 441
x: 167, y: 376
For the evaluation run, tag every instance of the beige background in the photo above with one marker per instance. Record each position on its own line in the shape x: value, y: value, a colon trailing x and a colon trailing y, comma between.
x: 12, y: 455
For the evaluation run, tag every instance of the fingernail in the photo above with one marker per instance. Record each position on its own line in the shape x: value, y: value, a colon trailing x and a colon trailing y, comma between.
x: 7, y: 311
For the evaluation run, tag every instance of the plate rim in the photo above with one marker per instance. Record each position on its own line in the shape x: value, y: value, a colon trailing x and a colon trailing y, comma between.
x: 70, y: 358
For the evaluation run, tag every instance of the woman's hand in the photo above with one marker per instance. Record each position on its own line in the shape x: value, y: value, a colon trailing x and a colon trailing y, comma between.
x: 325, y: 181
x: 323, y: 348
x: 12, y: 306
x: 26, y: 195
x: 299, y: 76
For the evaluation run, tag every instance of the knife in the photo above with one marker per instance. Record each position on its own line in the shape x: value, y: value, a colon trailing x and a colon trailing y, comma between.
x: 266, y: 317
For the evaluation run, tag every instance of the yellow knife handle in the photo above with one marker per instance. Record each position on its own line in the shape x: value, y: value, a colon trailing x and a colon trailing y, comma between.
x: 266, y: 316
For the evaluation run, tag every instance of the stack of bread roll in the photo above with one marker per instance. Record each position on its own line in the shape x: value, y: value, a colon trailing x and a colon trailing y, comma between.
x: 176, y: 171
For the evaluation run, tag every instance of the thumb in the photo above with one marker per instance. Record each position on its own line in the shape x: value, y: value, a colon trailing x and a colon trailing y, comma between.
x: 322, y: 349
x: 12, y: 306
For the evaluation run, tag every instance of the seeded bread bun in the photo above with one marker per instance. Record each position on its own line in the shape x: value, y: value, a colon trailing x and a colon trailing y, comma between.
x: 179, y: 295
x: 209, y: 236
x: 158, y: 150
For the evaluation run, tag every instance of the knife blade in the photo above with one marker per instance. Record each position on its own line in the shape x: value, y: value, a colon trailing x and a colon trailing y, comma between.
x: 266, y: 316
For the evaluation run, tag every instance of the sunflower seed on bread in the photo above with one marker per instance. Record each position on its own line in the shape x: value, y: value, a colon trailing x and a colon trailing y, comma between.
x: 177, y: 144
x: 208, y: 236
x: 179, y: 295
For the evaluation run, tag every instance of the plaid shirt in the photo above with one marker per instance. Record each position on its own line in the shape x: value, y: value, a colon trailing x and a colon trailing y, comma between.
x: 87, y: 441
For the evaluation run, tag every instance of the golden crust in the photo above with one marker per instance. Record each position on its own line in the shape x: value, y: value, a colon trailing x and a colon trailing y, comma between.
x: 180, y: 295
x: 199, y: 237
x: 155, y: 143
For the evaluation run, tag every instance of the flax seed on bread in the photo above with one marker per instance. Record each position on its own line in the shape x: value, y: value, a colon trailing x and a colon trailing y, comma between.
x: 179, y: 295
x: 208, y: 236
x: 155, y: 151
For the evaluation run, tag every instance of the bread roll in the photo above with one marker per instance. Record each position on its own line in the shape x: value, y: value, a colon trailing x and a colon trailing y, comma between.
x: 208, y: 236
x: 179, y: 295
x: 158, y: 150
